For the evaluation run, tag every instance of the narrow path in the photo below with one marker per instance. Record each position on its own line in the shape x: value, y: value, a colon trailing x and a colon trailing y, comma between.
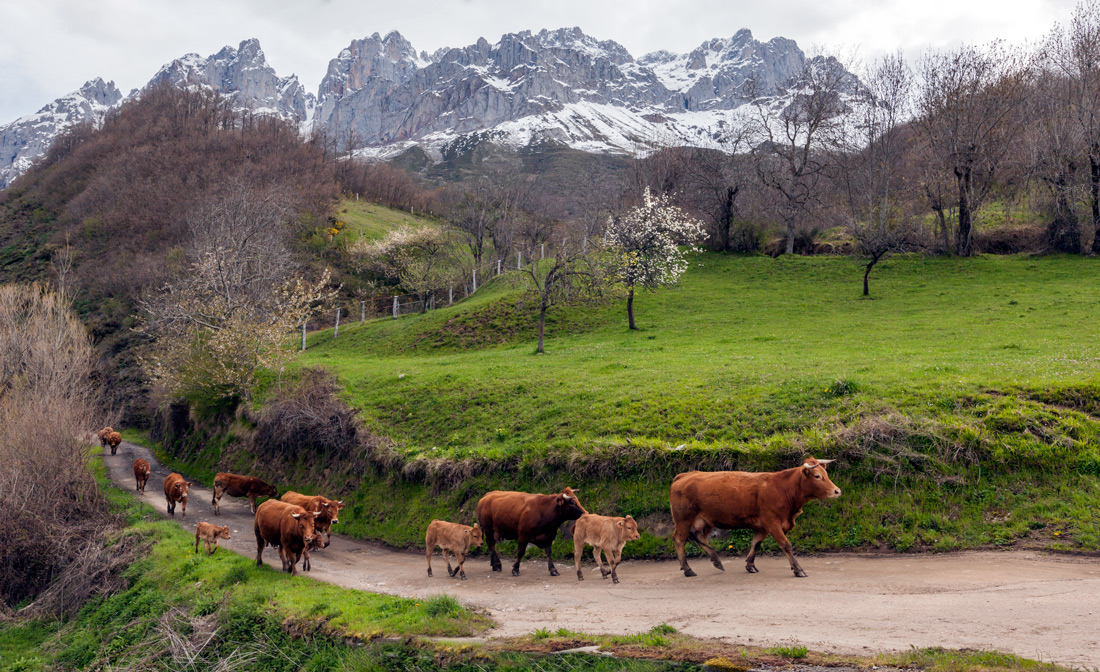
x: 1035, y: 605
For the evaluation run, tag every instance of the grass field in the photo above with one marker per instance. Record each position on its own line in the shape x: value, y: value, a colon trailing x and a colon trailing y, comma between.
x: 363, y: 219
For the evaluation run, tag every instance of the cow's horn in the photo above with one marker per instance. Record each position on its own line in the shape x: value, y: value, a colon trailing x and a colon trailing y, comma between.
x: 295, y: 515
x: 826, y: 461
x: 808, y: 465
x: 567, y: 495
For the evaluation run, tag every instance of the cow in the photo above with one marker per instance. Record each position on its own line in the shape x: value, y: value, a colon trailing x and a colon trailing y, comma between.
x: 527, y: 518
x: 240, y: 486
x: 209, y: 533
x: 606, y: 535
x: 766, y: 503
x: 453, y: 537
x: 141, y: 474
x: 284, y: 525
x: 175, y: 490
x: 103, y: 434
x: 113, y: 439
x: 328, y: 508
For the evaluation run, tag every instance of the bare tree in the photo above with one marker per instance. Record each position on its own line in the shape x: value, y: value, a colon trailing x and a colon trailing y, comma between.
x: 1073, y: 55
x: 870, y: 168
x: 716, y: 179
x: 798, y: 130
x: 572, y: 271
x: 474, y: 215
x: 969, y: 104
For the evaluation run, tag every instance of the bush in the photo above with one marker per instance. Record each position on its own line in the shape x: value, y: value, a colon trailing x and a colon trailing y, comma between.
x: 309, y: 418
x: 1009, y: 240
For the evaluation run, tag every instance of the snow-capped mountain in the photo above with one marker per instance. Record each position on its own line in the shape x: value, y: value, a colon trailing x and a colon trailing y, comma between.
x: 381, y: 96
x: 243, y: 76
x: 27, y: 138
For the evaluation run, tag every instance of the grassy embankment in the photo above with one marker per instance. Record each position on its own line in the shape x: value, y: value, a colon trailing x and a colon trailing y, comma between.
x: 962, y: 400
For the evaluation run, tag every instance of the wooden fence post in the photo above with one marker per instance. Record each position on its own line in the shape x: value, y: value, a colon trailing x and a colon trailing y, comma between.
x: 395, y: 308
x: 336, y: 330
x: 362, y: 312
x: 542, y: 251
x: 475, y: 282
x: 519, y: 261
x: 451, y: 294
x: 498, y: 266
x: 303, y: 334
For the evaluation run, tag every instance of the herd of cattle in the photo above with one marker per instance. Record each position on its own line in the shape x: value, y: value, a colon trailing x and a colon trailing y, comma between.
x: 765, y: 502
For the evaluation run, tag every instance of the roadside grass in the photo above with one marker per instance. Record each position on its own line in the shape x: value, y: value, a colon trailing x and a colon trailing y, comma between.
x: 665, y: 642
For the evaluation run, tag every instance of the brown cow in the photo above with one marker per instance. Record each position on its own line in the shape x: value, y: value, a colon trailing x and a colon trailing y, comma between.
x: 284, y: 525
x: 103, y: 434
x: 240, y: 486
x: 606, y: 535
x: 209, y: 533
x: 328, y: 508
x: 453, y: 537
x: 175, y: 490
x: 527, y: 518
x: 766, y: 503
x: 141, y: 474
x: 113, y: 439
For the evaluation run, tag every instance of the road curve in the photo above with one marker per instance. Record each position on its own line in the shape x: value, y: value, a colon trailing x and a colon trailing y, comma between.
x: 1035, y: 605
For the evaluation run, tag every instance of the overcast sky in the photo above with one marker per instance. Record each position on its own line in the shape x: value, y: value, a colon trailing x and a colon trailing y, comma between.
x: 51, y: 47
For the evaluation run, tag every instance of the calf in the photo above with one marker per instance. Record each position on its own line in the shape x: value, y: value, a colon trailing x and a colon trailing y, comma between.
x: 113, y: 439
x: 766, y: 503
x: 175, y: 490
x: 209, y: 533
x: 141, y: 474
x: 103, y: 434
x: 453, y: 537
x: 328, y: 508
x: 240, y: 486
x: 527, y: 518
x: 313, y: 546
x: 606, y: 535
x: 287, y: 526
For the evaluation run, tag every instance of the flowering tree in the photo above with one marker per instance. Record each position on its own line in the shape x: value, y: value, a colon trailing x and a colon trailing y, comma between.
x: 647, y: 243
x: 419, y: 259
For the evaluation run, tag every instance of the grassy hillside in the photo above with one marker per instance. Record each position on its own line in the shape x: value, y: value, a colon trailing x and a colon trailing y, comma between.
x: 363, y: 219
x: 962, y: 400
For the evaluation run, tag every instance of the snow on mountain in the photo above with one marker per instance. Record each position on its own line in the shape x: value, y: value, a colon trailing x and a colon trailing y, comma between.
x: 27, y: 138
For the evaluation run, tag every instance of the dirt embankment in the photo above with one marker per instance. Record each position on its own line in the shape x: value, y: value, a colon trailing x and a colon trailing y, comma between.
x: 1028, y: 603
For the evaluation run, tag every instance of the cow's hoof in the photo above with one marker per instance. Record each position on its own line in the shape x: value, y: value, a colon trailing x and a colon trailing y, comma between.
x: 462, y: 576
x: 515, y: 572
x: 718, y: 564
x: 688, y: 572
x: 751, y: 569
x: 580, y: 577
x: 799, y: 573
x: 614, y: 580
x: 429, y: 573
x: 553, y: 572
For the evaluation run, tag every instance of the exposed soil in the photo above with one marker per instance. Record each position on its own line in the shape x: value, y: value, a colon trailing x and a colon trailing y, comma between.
x: 1036, y: 605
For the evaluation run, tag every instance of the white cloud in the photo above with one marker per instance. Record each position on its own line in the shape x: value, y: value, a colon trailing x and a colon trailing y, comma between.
x: 51, y: 47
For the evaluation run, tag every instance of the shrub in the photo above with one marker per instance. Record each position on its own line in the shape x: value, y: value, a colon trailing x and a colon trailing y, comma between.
x: 309, y: 418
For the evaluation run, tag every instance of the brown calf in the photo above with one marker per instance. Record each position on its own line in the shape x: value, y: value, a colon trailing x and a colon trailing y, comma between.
x: 175, y: 491
x: 141, y: 474
x: 209, y: 533
x: 240, y: 486
x: 284, y: 525
x: 103, y: 434
x: 766, y: 503
x: 453, y: 537
x: 606, y: 535
x: 527, y: 518
x: 113, y: 439
x: 328, y: 508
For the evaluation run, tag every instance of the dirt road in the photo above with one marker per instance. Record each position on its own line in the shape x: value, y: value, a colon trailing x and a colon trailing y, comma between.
x: 1034, y: 605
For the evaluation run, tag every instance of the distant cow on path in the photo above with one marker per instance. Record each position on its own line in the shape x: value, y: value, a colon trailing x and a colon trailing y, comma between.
x: 141, y: 474
x: 235, y: 485
x: 103, y: 434
x: 284, y: 525
x: 113, y: 439
x: 453, y: 537
x: 175, y: 491
x: 328, y: 508
x: 606, y: 535
x: 765, y: 502
x: 527, y: 518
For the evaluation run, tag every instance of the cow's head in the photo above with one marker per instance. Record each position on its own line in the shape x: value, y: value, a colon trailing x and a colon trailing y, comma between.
x: 475, y: 536
x: 816, y: 481
x: 306, y: 525
x: 569, y: 506
x: 222, y: 532
x: 179, y: 490
x: 331, y: 507
x: 268, y: 490
x: 628, y: 528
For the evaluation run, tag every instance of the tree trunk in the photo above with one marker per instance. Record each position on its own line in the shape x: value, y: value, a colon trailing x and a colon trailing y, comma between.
x: 1063, y: 234
x: 1094, y: 187
x: 630, y: 308
x: 727, y: 217
x: 542, y: 327
x: 964, y: 246
x: 790, y: 237
x: 866, y: 274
